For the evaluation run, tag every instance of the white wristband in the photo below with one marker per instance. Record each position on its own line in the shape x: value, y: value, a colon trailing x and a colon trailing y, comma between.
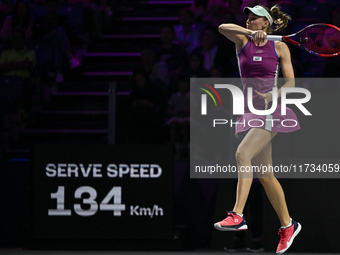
x: 272, y: 93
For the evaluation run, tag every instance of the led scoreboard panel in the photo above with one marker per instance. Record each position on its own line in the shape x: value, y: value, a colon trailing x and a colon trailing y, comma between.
x: 102, y: 191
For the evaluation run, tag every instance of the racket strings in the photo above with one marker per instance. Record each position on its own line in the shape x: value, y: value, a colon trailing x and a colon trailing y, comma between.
x: 321, y: 39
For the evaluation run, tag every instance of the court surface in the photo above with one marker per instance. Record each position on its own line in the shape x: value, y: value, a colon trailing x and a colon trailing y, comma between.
x: 32, y: 252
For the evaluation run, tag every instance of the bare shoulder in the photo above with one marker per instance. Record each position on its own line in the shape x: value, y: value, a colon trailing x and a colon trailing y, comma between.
x: 281, y: 48
x: 281, y: 45
x: 242, y: 43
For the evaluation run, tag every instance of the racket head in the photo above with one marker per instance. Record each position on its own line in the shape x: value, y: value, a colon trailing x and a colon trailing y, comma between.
x: 321, y: 39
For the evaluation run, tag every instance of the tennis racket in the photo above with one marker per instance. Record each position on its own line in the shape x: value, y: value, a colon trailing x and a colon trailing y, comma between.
x: 318, y: 39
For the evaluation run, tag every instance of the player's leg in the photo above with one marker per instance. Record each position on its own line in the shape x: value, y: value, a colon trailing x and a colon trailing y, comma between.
x: 271, y: 185
x: 275, y: 194
x: 253, y: 142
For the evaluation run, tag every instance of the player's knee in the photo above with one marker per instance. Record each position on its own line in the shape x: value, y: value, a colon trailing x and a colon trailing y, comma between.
x: 266, y: 179
x: 242, y: 156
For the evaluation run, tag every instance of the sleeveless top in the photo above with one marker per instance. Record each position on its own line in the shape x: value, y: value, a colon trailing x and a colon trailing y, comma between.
x: 259, y: 67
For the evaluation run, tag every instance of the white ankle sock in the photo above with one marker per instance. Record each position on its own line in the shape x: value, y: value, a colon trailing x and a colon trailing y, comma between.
x: 239, y: 215
x: 290, y: 223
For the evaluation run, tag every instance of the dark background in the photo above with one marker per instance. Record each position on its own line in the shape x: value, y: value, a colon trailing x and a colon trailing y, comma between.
x: 198, y: 203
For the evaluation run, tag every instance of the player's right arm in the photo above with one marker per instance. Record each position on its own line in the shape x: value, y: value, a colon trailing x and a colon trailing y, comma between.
x: 237, y: 34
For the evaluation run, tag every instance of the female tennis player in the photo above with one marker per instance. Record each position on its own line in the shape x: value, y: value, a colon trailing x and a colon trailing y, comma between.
x: 259, y: 62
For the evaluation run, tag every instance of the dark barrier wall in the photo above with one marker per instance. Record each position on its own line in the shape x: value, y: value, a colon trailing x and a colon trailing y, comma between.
x: 14, y: 197
x: 101, y: 192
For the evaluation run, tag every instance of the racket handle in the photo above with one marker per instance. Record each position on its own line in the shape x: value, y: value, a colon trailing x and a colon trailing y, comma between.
x: 274, y: 37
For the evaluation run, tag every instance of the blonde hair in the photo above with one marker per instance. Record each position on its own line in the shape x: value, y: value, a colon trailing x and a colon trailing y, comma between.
x: 280, y: 18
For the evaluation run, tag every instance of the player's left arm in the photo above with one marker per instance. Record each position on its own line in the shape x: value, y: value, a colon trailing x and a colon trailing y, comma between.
x: 283, y: 52
x: 286, y: 65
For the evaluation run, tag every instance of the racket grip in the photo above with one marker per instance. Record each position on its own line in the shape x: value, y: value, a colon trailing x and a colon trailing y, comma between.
x: 274, y: 37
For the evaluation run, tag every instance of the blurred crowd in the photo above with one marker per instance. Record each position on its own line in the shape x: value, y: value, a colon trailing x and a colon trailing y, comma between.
x: 41, y: 42
x: 46, y: 38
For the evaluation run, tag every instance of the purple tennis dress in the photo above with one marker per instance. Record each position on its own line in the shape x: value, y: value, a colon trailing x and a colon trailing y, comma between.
x: 259, y: 67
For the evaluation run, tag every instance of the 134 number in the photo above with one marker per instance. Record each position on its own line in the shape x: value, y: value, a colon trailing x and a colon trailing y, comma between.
x: 114, y: 196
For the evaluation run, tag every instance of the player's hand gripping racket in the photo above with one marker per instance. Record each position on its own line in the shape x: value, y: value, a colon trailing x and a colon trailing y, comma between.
x: 318, y: 39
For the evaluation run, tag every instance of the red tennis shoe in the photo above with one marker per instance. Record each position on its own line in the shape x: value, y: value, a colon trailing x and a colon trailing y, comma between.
x: 287, y: 236
x: 233, y: 222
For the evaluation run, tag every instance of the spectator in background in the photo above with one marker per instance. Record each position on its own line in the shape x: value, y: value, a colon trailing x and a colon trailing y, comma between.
x: 214, y: 12
x: 21, y: 19
x: 235, y: 6
x: 216, y: 72
x: 196, y: 68
x: 199, y: 8
x: 17, y: 63
x: 157, y: 71
x: 47, y: 23
x: 213, y: 54
x: 53, y: 30
x: 106, y: 13
x: 228, y: 16
x: 5, y: 10
x: 179, y: 113
x: 174, y: 56
x: 98, y: 15
x: 147, y: 109
x: 20, y: 62
x: 212, y: 3
x: 187, y: 35
x: 92, y: 17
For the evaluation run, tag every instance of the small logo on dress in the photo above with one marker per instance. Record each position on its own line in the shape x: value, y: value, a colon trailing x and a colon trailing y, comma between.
x: 257, y: 58
x: 259, y: 51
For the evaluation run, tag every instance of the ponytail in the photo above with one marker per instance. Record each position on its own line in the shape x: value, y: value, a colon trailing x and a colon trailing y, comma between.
x: 280, y: 19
